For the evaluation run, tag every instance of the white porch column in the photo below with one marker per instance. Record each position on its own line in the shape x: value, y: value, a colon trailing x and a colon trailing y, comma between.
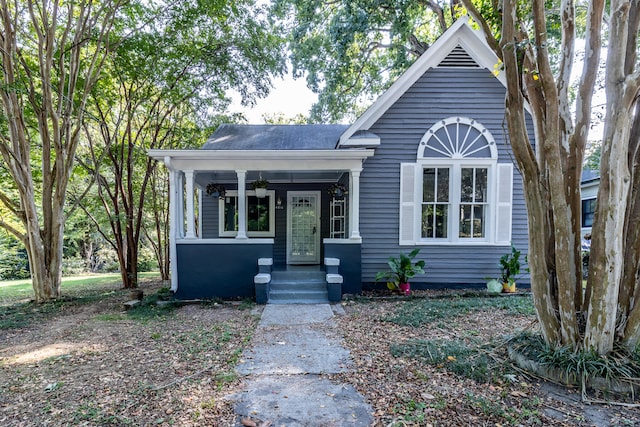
x: 180, y: 204
x: 173, y: 228
x: 354, y: 204
x: 191, y: 216
x: 242, y: 204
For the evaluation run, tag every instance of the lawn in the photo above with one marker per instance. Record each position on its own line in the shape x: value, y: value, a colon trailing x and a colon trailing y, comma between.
x: 17, y: 289
x: 438, y: 358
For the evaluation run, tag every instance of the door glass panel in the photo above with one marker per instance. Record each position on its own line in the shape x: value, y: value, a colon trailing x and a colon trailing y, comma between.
x: 304, y: 232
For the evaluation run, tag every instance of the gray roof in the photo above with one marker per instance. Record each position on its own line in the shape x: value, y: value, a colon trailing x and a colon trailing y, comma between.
x: 275, y: 137
x: 589, y: 175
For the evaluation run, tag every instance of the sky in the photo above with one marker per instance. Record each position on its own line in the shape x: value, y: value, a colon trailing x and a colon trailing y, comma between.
x: 289, y: 96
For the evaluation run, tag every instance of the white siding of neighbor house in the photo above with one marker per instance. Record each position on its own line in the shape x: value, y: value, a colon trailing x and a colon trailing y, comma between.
x: 440, y: 93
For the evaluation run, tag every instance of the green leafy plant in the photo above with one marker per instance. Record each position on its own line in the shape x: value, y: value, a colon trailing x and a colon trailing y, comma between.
x: 401, y: 270
x: 337, y: 190
x: 510, y: 266
x: 216, y: 190
x: 259, y: 183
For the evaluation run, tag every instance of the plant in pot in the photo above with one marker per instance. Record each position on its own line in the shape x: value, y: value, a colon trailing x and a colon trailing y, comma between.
x: 216, y: 190
x: 401, y: 270
x: 510, y: 269
x: 337, y: 190
x: 260, y: 187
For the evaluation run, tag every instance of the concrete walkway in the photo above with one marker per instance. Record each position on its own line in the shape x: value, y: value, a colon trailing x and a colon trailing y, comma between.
x: 284, y: 386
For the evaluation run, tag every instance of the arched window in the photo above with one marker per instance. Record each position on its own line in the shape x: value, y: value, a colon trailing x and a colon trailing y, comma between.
x: 456, y: 192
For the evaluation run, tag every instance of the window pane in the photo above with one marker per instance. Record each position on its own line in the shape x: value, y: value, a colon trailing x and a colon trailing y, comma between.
x: 481, y: 185
x: 465, y: 221
x: 443, y: 185
x: 588, y: 212
x: 427, y: 221
x: 231, y: 213
x: 257, y: 213
x: 428, y: 185
x: 478, y: 220
x: 442, y: 219
x: 466, y: 185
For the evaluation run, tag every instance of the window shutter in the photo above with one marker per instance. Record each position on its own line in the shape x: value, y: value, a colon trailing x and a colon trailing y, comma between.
x: 503, y: 203
x: 407, y: 203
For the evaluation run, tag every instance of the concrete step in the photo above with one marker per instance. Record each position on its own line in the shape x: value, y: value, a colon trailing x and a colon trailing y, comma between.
x: 298, y: 297
x: 297, y: 275
x: 281, y: 285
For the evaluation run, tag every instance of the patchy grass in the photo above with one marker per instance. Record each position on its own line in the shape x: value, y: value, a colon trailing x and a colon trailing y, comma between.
x: 423, y: 311
x: 18, y: 289
x: 15, y: 312
x: 460, y: 357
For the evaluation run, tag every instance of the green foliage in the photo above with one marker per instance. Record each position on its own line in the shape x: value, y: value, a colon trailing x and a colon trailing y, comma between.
x: 424, y: 311
x: 510, y: 266
x: 620, y: 364
x: 456, y: 356
x: 401, y: 269
x: 14, y: 262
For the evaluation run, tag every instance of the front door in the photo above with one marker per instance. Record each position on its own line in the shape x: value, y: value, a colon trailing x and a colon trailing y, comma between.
x: 303, y: 227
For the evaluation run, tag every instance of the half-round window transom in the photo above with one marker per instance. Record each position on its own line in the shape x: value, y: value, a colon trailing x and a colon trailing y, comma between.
x: 457, y: 138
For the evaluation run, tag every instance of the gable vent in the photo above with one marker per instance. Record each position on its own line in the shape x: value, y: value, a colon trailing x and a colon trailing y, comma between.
x: 458, y: 58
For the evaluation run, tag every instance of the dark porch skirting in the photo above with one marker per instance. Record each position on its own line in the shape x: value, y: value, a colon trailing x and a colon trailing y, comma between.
x: 219, y: 270
x: 350, y: 264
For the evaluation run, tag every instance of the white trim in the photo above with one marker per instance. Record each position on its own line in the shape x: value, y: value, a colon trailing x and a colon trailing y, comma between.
x: 332, y: 262
x: 242, y: 204
x: 173, y: 234
x: 329, y: 241
x: 362, y: 142
x: 271, y: 195
x: 189, y: 176
x: 225, y: 242
x: 263, y: 160
x: 318, y: 233
x: 460, y: 33
x: 461, y: 141
x: 453, y: 224
x: 354, y: 203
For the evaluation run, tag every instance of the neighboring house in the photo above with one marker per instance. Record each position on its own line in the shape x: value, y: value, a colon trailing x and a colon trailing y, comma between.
x: 589, y: 183
x: 427, y: 165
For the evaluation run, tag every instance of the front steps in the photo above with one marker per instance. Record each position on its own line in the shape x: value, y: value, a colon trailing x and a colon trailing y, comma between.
x: 298, y: 286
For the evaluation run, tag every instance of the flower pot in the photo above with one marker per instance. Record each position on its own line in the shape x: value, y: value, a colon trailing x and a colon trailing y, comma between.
x: 494, y: 287
x: 261, y: 192
x: 509, y: 287
x: 405, y: 288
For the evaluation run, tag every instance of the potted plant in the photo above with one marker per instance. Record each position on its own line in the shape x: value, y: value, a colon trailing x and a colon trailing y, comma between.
x: 337, y: 190
x: 260, y: 187
x: 510, y: 269
x: 216, y: 190
x: 401, y: 270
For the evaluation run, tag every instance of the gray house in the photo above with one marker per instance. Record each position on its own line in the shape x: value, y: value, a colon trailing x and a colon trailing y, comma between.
x: 427, y: 165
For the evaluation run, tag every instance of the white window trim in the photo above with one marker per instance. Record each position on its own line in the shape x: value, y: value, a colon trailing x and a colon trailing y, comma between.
x: 272, y: 216
x: 453, y: 225
x: 455, y: 157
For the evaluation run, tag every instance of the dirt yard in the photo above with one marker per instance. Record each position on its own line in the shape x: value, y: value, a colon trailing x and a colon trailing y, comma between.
x: 90, y: 363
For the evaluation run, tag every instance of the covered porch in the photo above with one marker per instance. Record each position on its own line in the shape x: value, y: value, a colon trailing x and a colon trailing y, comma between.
x: 219, y: 239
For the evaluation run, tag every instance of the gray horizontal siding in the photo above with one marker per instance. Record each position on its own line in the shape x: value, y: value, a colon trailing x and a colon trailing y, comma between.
x: 440, y: 93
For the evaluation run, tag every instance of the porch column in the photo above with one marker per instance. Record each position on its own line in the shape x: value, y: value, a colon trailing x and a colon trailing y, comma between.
x: 354, y: 204
x: 242, y: 204
x: 173, y: 227
x: 191, y: 230
x: 180, y: 204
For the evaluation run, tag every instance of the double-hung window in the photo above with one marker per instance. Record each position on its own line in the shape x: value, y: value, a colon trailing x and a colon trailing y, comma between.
x: 260, y: 214
x: 456, y: 192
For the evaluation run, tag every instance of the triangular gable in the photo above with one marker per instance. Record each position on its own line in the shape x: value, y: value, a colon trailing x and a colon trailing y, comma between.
x: 460, y: 40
